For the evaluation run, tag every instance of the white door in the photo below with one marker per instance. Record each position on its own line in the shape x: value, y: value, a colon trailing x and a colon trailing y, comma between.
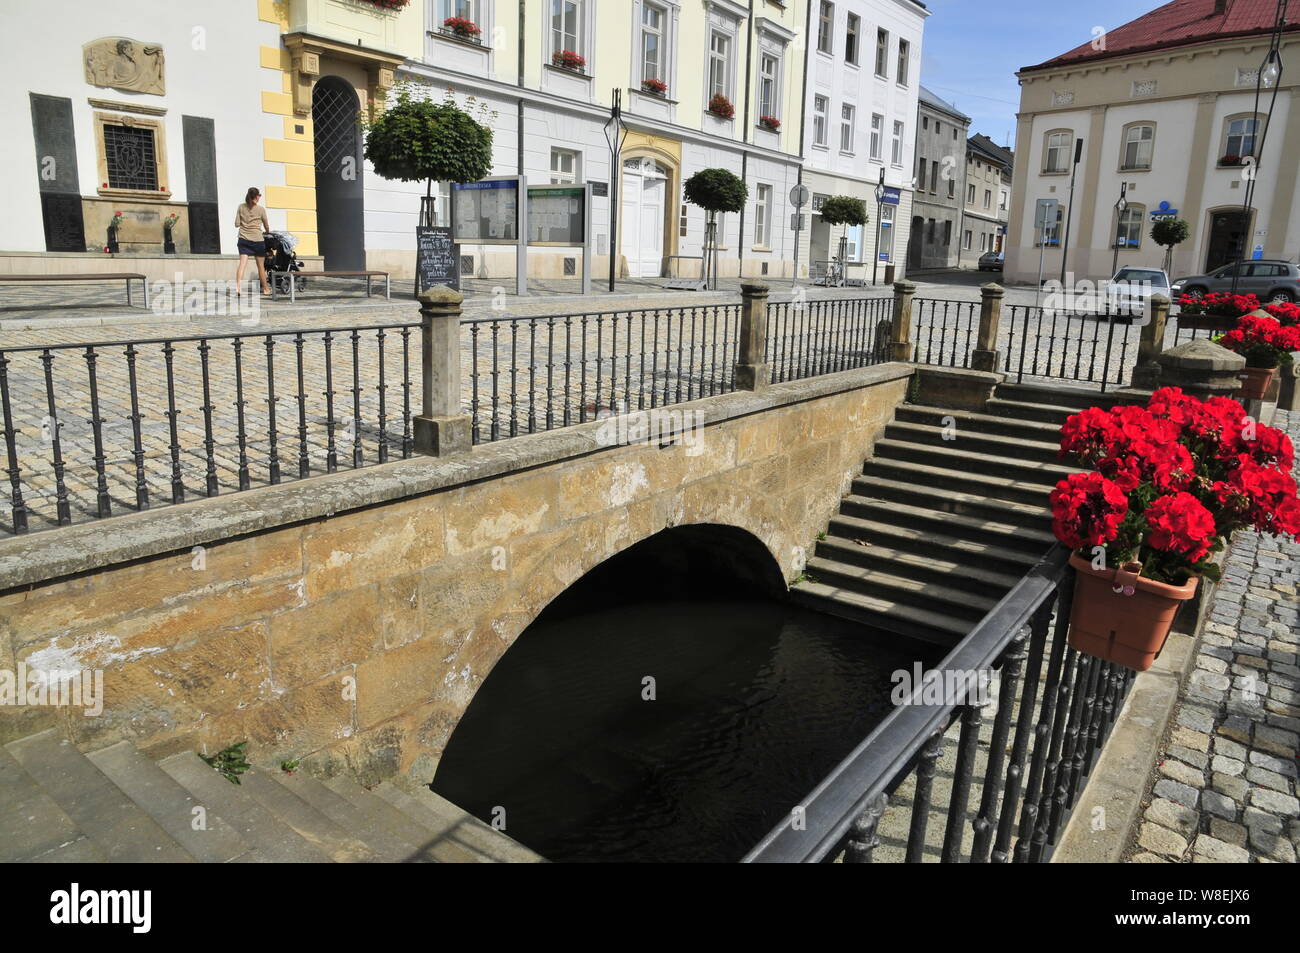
x: 644, y: 189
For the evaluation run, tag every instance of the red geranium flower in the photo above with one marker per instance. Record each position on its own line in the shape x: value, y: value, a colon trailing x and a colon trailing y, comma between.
x: 1178, y: 523
x: 1087, y: 510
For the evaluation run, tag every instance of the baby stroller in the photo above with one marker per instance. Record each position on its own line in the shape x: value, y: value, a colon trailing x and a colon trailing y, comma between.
x: 280, y: 258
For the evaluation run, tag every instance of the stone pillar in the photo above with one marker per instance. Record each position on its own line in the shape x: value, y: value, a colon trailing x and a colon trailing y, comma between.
x: 751, y: 370
x: 900, y: 340
x: 1146, y: 374
x: 1202, y: 369
x: 985, y: 355
x: 441, y: 428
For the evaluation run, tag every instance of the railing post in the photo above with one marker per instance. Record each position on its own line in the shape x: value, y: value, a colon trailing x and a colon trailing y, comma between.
x: 1152, y: 342
x: 752, y: 372
x: 900, y: 340
x: 441, y: 428
x: 985, y: 355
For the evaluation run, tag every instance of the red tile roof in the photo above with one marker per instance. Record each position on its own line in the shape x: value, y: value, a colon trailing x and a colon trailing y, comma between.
x: 1182, y: 23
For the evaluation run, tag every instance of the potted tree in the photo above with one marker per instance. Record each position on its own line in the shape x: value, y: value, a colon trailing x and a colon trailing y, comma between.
x: 1266, y: 344
x: 1167, y: 233
x: 715, y: 190
x: 1170, y: 483
x: 847, y: 211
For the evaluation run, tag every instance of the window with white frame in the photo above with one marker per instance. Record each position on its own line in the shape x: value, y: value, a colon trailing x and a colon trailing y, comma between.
x: 852, y: 34
x: 683, y: 222
x: 1128, y: 230
x: 654, y: 21
x: 463, y: 9
x: 921, y: 168
x: 566, y: 26
x: 1139, y: 143
x: 983, y: 241
x: 896, y: 147
x: 877, y: 133
x: 564, y: 167
x: 988, y: 198
x: 1240, y: 138
x: 882, y: 54
x: 952, y: 187
x: 904, y: 55
x: 719, y: 64
x: 763, y: 216
x: 966, y: 240
x: 970, y: 194
x: 1056, y: 151
x: 769, y: 69
x: 825, y: 27
x: 820, y: 107
x: 847, y: 130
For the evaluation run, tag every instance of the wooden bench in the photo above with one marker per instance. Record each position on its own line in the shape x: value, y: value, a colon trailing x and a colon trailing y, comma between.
x: 293, y: 285
x: 119, y: 276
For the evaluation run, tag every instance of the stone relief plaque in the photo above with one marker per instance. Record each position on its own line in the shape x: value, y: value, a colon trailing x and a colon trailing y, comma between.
x: 116, y: 62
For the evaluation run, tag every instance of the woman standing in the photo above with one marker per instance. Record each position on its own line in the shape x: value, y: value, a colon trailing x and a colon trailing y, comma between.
x: 252, y: 222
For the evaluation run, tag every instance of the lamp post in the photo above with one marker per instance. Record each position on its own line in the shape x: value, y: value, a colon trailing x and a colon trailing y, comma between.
x: 615, y: 134
x: 1268, y: 77
x: 1069, y: 208
x: 1120, y: 207
x: 880, y: 207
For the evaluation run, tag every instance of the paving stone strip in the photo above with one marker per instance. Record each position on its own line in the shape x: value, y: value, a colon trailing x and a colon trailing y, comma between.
x: 1224, y: 788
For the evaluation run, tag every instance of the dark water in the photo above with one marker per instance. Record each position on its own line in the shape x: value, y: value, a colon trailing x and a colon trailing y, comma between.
x: 754, y: 702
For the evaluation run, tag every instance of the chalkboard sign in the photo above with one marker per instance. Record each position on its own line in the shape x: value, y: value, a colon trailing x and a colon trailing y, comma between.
x: 437, y: 259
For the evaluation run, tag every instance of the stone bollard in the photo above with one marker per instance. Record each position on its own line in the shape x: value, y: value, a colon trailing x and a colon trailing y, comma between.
x: 900, y: 340
x: 1202, y: 369
x: 985, y: 356
x: 752, y: 372
x: 441, y: 429
x: 1146, y: 374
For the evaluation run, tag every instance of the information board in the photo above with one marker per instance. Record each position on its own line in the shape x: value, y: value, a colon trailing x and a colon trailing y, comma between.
x: 487, y: 212
x: 437, y: 259
x: 556, y: 215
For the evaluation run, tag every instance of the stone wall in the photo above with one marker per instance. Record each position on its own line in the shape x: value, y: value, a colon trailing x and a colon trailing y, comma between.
x: 352, y: 617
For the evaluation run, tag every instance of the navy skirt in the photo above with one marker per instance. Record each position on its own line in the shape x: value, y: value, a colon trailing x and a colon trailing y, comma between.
x: 257, y: 249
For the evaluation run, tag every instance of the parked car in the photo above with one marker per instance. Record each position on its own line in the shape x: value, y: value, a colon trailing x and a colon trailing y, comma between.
x: 1271, y: 280
x: 991, y: 261
x: 1131, y: 288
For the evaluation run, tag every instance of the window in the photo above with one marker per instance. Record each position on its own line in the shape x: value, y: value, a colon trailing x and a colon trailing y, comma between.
x: 1138, y: 144
x: 564, y: 166
x: 952, y: 188
x: 1128, y: 233
x: 970, y: 194
x: 934, y: 177
x: 947, y: 233
x: 465, y: 9
x: 1241, y: 136
x: 826, y: 27
x: 925, y: 122
x: 966, y: 240
x: 846, y: 128
x: 763, y: 216
x: 983, y: 241
x: 820, y: 106
x: 851, y: 39
x: 929, y: 232
x: 904, y: 54
x: 920, y: 173
x: 683, y: 222
x: 566, y: 26
x: 896, y: 147
x: 1056, y: 155
x: 988, y: 198
x: 131, y: 157
x: 882, y: 54
x: 877, y: 129
x: 652, y: 41
x: 720, y: 65
x: 1051, y: 235
x: 768, y: 67
x: 938, y: 128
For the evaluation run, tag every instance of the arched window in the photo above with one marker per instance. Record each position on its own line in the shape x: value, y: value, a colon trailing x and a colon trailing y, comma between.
x: 1128, y: 229
x: 1138, y: 147
x: 1239, y: 138
x: 1056, y: 151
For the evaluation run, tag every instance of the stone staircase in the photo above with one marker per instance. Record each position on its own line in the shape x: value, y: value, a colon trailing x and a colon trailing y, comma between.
x: 58, y: 804
x: 935, y: 530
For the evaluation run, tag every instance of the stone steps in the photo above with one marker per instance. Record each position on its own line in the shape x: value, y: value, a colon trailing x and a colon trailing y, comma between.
x: 58, y: 804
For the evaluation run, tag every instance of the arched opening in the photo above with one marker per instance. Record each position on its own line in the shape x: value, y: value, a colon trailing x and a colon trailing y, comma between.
x: 669, y: 706
x: 340, y: 203
x: 646, y: 205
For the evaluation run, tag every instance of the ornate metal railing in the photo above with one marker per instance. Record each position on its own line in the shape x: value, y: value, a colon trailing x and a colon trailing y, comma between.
x: 810, y: 338
x: 1087, y: 347
x: 944, y: 332
x: 1054, y: 712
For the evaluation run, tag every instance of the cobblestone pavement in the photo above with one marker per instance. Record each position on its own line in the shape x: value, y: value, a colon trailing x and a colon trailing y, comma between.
x: 1225, y: 785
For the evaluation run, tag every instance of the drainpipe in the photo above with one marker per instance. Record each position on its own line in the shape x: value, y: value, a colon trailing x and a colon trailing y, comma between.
x: 803, y: 132
x: 520, y: 131
x: 744, y: 153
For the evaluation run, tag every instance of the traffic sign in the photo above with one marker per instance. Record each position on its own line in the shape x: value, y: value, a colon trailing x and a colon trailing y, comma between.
x: 796, y: 222
x: 799, y: 196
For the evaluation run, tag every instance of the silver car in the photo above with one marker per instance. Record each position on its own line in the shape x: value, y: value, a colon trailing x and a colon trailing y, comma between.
x: 1131, y: 289
x: 1271, y: 280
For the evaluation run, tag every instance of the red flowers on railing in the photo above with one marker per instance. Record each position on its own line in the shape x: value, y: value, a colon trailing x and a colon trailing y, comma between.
x: 721, y: 107
x: 1219, y: 304
x: 567, y: 59
x: 1171, y: 482
x: 1263, y: 342
x: 769, y: 122
x: 466, y: 29
x: 656, y: 86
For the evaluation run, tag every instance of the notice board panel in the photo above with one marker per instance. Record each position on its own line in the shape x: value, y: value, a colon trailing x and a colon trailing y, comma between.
x: 557, y: 215
x: 487, y: 212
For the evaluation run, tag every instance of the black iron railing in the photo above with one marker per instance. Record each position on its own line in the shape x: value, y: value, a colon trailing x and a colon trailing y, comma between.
x: 811, y: 338
x: 1087, y: 347
x: 1054, y: 712
x: 944, y: 332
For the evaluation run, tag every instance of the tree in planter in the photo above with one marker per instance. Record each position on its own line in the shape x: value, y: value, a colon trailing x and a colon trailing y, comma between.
x: 847, y: 211
x: 1169, y: 232
x: 416, y: 139
x: 715, y: 190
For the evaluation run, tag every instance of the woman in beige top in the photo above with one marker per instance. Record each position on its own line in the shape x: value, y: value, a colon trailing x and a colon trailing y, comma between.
x: 251, y: 220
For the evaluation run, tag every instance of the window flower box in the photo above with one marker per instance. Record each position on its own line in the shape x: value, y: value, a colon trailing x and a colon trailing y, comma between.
x: 655, y: 87
x: 462, y: 29
x: 567, y: 59
x: 770, y: 123
x: 721, y: 107
x: 1229, y: 160
x: 394, y: 5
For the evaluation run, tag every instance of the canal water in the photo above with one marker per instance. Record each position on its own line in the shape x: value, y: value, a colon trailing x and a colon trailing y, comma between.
x: 671, y: 729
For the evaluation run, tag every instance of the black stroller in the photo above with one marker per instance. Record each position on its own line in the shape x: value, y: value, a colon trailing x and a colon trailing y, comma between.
x: 282, y: 264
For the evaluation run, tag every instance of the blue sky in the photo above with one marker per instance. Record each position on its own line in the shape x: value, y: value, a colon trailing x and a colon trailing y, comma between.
x: 972, y: 49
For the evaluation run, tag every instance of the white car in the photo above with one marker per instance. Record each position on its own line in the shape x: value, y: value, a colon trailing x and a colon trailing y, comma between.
x: 1129, y: 291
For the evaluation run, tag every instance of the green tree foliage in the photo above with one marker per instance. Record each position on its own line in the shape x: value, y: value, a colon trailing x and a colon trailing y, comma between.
x: 1169, y: 232
x: 844, y: 210
x: 716, y: 190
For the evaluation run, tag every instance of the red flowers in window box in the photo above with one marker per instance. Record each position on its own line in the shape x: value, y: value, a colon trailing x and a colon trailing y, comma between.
x: 567, y: 59
x: 769, y: 122
x: 389, y: 4
x: 721, y: 107
x: 462, y: 27
x: 656, y: 86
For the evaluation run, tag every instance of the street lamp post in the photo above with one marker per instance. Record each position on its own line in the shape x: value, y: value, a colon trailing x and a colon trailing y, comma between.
x: 1268, y: 77
x: 1120, y: 207
x: 880, y: 208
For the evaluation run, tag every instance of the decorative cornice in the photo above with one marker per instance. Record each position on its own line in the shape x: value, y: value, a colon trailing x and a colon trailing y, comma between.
x: 115, y: 106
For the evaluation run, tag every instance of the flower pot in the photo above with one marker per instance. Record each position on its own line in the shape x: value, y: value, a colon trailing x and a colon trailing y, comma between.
x: 1121, y: 617
x: 1255, y: 382
x: 1206, y: 322
x: 112, y: 240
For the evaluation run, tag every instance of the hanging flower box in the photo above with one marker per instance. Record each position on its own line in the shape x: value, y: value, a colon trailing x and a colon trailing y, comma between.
x: 1171, y: 482
x: 389, y: 4
x: 567, y: 59
x: 1266, y: 344
x: 770, y: 123
x: 655, y: 87
x: 721, y: 107
x: 1215, y: 311
x: 463, y: 29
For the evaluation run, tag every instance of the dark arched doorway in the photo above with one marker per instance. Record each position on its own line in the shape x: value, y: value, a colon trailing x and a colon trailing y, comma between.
x: 669, y: 706
x: 340, y: 203
x: 915, y: 244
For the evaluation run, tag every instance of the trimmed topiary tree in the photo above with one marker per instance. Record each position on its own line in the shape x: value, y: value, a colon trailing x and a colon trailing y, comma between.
x: 1169, y: 232
x: 715, y: 190
x: 847, y: 211
x: 416, y: 139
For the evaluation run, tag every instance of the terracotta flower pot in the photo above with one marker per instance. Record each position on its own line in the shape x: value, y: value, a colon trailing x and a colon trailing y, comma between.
x: 1120, y: 617
x: 1255, y: 382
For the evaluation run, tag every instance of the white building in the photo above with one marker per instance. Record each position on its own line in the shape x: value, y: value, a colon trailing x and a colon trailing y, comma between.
x: 864, y: 77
